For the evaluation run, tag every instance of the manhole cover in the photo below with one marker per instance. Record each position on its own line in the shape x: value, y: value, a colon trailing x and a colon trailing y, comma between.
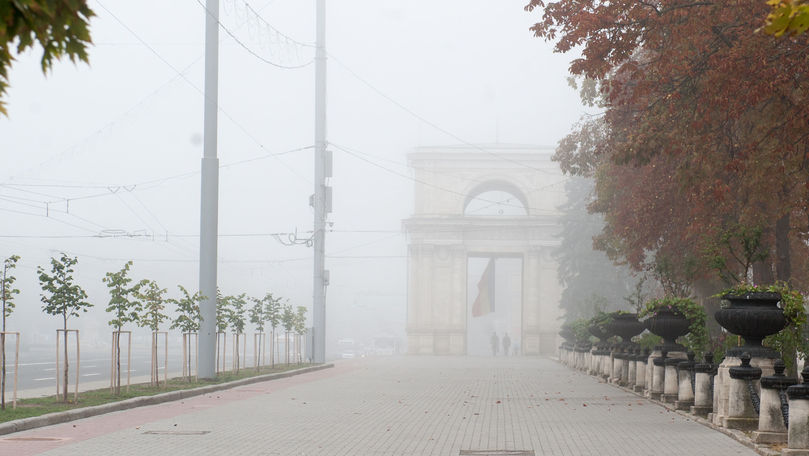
x: 33, y: 439
x: 497, y: 453
x: 177, y: 432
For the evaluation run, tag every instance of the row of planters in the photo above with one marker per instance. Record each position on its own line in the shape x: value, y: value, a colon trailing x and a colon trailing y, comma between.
x: 747, y: 389
x: 143, y: 304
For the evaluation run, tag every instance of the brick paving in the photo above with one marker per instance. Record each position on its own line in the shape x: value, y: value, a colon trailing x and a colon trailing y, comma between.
x: 396, y: 406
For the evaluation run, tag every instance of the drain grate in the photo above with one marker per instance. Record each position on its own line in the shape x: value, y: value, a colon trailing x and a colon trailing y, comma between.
x: 33, y: 439
x: 177, y: 432
x: 497, y: 453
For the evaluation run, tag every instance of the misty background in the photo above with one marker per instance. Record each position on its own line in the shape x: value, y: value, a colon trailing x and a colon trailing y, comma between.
x: 102, y: 161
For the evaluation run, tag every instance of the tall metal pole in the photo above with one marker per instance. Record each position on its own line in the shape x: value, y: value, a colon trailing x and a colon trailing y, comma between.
x: 319, y: 291
x: 209, y: 210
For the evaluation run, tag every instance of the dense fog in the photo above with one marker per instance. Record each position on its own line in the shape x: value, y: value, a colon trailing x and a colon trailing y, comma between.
x: 101, y: 161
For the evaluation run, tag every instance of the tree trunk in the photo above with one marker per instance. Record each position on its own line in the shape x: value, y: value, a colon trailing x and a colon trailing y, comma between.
x: 783, y: 265
x: 189, y: 357
x: 238, y: 358
x: 3, y: 380
x: 118, y: 363
x: 762, y: 272
x: 64, y: 387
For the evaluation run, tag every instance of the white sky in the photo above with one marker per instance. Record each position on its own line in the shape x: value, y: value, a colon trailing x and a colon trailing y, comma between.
x: 112, y: 130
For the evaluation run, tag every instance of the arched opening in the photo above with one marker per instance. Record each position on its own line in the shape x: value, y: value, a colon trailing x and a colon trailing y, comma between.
x: 496, y: 198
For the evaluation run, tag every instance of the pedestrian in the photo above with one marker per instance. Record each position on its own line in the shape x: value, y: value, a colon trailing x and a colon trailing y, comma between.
x: 495, y: 344
x: 506, y: 344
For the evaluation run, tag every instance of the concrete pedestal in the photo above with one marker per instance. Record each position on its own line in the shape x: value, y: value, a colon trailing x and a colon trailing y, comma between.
x: 771, y: 426
x: 623, y: 380
x: 631, y: 370
x: 685, y: 392
x: 743, y: 390
x: 671, y: 383
x: 658, y: 378
x: 617, y: 367
x: 798, y: 434
x: 722, y: 383
x: 703, y: 398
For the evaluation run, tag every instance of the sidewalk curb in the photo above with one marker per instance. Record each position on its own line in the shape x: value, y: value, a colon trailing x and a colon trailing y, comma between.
x: 86, y: 412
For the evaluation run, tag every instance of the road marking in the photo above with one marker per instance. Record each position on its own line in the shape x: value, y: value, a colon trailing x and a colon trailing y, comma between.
x: 43, y: 379
x: 91, y: 375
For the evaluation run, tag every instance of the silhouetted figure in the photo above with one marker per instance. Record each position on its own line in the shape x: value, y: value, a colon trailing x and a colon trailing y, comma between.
x: 495, y: 344
x: 506, y: 344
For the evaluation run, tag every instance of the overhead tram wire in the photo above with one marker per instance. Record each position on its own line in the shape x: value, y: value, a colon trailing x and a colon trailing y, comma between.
x: 143, y: 185
x: 252, y: 52
x: 464, y: 178
x: 118, y: 118
x: 419, y: 181
x: 201, y: 92
x: 107, y: 125
x: 426, y: 121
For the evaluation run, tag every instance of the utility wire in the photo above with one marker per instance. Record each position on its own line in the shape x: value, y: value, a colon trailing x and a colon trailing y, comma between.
x: 144, y: 185
x: 419, y: 181
x: 428, y: 122
x: 250, y: 51
x: 185, y: 78
x: 142, y: 101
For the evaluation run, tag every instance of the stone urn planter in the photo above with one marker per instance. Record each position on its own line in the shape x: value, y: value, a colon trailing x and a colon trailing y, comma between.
x: 753, y: 316
x: 625, y: 325
x: 668, y: 324
x: 567, y: 334
x: 598, y: 332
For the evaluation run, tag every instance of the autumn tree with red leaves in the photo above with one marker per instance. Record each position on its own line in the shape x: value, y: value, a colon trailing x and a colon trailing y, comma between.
x: 704, y: 129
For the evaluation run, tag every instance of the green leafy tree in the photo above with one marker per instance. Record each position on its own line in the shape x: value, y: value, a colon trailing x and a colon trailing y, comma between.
x: 790, y: 341
x: 299, y: 327
x: 288, y: 321
x: 7, y: 292
x: 62, y: 298
x: 272, y: 311
x: 188, y: 318
x: 124, y: 307
x: 59, y: 26
x: 258, y: 318
x: 223, y: 311
x: 237, y: 323
x: 152, y: 298
x: 153, y: 304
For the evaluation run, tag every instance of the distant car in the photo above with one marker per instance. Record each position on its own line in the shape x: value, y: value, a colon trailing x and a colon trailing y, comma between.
x: 384, y: 346
x: 346, y: 348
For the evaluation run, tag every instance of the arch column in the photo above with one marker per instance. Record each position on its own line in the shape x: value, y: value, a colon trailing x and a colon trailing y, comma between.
x: 436, y: 303
x: 531, y: 299
x: 540, y: 306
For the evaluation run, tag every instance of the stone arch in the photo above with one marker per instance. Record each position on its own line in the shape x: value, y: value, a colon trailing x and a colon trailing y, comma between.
x: 494, y: 185
x: 442, y: 238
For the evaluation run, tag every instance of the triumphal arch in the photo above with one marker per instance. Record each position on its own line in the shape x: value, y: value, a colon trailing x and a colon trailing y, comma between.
x: 483, y: 205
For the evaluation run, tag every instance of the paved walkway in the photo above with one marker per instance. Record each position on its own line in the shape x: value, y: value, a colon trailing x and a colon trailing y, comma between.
x: 395, y: 406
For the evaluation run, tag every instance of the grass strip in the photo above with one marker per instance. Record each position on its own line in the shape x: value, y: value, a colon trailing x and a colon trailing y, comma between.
x: 32, y: 407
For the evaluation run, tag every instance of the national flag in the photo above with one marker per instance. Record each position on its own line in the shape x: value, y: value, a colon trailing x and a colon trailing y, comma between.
x: 484, y: 303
